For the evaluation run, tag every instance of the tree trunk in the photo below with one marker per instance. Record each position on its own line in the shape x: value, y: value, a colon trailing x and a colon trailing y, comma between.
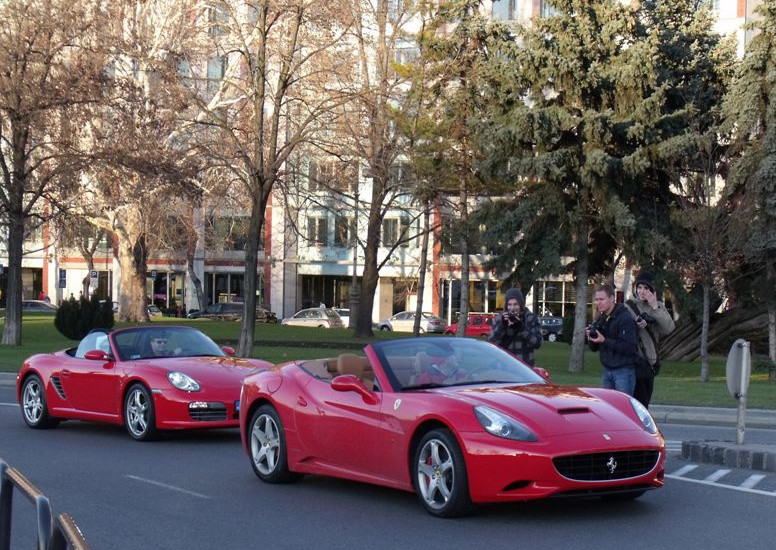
x: 705, y: 335
x: 248, y: 328
x: 463, y: 314
x: 577, y: 359
x: 12, y: 332
x: 133, y: 303
x: 371, y: 276
x: 422, y: 269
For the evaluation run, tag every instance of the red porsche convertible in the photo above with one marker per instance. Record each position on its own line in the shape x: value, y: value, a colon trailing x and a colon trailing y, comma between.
x: 457, y: 421
x: 147, y: 378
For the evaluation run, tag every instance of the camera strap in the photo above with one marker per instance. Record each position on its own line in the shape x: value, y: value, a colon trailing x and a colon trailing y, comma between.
x: 634, y: 308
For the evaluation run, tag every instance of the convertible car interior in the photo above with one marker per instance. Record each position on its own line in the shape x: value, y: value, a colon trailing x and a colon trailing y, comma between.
x: 346, y: 363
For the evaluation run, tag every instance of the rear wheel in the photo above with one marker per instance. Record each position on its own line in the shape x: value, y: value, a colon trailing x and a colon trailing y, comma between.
x: 34, y: 407
x: 139, y: 416
x: 439, y: 475
x: 269, y: 455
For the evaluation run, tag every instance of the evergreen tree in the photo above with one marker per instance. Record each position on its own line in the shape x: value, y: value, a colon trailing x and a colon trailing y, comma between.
x: 750, y: 107
x: 592, y: 127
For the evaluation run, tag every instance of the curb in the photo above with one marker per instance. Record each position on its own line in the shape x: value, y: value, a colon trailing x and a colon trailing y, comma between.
x: 727, y: 453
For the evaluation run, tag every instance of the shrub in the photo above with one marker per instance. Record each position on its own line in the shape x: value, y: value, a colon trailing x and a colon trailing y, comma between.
x: 75, y: 318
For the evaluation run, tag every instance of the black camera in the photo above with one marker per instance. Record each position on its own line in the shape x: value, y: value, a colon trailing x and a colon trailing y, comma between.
x: 593, y: 327
x: 648, y: 318
x: 513, y: 317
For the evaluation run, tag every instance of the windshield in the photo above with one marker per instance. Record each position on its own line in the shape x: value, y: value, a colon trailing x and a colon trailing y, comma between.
x: 439, y: 362
x: 145, y: 343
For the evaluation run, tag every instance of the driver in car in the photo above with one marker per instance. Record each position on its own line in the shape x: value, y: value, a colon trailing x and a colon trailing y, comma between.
x: 433, y: 369
x: 159, y: 347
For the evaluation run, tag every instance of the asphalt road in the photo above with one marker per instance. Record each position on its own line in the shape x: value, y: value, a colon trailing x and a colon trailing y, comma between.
x: 197, y: 491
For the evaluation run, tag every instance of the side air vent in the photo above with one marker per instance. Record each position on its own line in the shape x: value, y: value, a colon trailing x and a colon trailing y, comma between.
x: 57, y: 383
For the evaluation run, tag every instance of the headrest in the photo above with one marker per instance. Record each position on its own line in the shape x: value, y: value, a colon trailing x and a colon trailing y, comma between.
x: 349, y: 363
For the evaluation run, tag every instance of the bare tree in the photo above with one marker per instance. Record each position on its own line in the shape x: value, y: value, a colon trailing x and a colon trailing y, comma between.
x: 50, y: 69
x: 271, y: 82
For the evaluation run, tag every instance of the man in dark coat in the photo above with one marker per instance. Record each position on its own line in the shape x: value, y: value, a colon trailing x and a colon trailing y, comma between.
x: 517, y: 329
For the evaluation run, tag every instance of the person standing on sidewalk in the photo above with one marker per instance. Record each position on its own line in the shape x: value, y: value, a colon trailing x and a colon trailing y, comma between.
x: 614, y: 335
x: 517, y: 330
x: 654, y: 321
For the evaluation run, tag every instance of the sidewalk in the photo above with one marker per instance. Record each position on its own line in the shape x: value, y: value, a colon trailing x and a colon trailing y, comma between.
x: 755, y: 457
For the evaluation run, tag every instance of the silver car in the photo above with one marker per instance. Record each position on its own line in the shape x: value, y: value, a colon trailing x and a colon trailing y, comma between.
x: 324, y: 317
x: 405, y: 322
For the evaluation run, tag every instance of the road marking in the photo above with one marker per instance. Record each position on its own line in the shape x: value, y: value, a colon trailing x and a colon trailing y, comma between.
x: 719, y: 474
x: 683, y: 470
x: 752, y: 480
x: 166, y: 486
x: 673, y: 446
x: 722, y: 485
x: 10, y: 404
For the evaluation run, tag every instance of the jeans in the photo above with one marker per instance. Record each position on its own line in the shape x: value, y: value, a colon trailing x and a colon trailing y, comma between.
x: 622, y: 379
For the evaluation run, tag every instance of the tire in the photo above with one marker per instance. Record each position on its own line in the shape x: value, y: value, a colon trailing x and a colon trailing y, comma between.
x: 34, y: 407
x: 385, y: 327
x: 139, y: 415
x: 267, y: 444
x: 439, y: 475
x: 552, y: 337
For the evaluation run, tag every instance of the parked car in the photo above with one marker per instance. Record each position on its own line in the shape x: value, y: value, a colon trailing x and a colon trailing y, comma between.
x: 324, y: 317
x: 38, y: 306
x: 405, y: 322
x: 494, y: 430
x: 147, y: 378
x: 552, y: 327
x: 479, y: 324
x: 154, y: 311
x: 232, y: 311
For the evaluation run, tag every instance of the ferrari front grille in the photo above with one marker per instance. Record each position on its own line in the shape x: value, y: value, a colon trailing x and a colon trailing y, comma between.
x: 207, y: 412
x: 606, y: 466
x: 57, y: 383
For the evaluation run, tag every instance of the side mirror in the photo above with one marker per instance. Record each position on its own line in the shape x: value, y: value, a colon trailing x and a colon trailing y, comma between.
x: 229, y: 350
x: 350, y: 382
x: 544, y: 373
x: 99, y: 355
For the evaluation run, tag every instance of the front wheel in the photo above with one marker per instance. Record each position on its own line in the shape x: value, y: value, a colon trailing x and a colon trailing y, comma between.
x: 34, y: 407
x: 439, y: 475
x: 269, y: 455
x: 139, y: 416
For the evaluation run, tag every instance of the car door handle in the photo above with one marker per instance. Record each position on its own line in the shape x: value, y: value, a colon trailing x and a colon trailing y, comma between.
x: 301, y: 401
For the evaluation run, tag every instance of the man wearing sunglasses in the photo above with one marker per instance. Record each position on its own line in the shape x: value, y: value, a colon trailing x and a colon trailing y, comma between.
x: 159, y: 347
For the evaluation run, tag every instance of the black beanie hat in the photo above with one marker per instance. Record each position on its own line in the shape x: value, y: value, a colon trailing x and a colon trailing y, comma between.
x: 514, y: 294
x: 645, y: 278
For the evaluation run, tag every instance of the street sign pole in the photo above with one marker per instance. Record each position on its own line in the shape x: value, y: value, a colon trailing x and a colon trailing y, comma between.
x: 746, y: 367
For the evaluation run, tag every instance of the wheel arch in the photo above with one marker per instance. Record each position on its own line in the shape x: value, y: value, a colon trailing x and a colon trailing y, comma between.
x: 258, y: 402
x: 421, y: 430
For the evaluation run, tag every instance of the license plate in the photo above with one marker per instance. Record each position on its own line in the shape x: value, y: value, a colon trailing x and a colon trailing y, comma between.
x: 237, y: 406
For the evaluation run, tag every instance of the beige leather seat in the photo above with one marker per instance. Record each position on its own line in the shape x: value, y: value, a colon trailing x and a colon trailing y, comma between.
x: 349, y: 363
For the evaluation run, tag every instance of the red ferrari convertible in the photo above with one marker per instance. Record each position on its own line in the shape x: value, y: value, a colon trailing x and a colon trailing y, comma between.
x: 457, y: 421
x: 147, y: 378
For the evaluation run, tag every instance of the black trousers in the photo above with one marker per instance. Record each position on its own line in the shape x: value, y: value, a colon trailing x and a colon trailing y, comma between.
x: 643, y: 390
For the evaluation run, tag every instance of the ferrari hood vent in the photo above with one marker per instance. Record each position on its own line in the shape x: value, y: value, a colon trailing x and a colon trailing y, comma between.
x: 574, y: 410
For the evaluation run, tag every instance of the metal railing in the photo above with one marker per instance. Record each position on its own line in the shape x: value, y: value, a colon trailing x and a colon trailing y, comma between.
x: 52, y: 534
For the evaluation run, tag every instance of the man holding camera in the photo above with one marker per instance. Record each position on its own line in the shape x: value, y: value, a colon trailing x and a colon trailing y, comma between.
x: 654, y: 321
x: 517, y: 329
x: 614, y: 335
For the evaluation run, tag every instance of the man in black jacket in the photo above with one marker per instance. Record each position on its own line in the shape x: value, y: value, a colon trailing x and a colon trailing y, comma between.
x: 615, y: 336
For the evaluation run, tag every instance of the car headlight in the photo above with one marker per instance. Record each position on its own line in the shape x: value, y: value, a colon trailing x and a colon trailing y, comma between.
x: 501, y: 425
x: 182, y: 381
x: 646, y: 419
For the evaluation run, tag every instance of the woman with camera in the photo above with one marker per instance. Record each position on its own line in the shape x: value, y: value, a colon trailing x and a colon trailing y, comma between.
x: 654, y: 321
x: 517, y: 329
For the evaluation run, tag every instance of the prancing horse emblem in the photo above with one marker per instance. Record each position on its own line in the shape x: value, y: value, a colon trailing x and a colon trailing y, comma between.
x: 611, y: 465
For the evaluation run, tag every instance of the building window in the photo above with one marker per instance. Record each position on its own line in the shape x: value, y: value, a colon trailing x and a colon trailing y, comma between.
x: 228, y: 233
x: 217, y: 18
x: 216, y: 69
x: 344, y: 231
x: 332, y: 175
x: 546, y: 10
x: 505, y: 10
x: 395, y: 229
x: 317, y: 230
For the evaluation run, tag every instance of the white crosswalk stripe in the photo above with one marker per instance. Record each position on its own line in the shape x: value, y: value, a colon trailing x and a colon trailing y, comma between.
x: 714, y: 480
